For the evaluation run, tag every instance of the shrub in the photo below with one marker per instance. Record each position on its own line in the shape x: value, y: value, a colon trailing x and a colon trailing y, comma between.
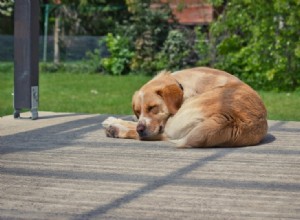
x: 147, y: 29
x: 202, y: 47
x: 120, y: 57
x: 175, y: 52
x: 259, y: 41
x: 68, y: 67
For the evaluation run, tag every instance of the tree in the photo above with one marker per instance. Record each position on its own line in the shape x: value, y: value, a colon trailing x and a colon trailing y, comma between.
x: 148, y: 28
x: 6, y: 20
x: 83, y: 17
x: 259, y: 41
x: 92, y: 17
x: 6, y: 7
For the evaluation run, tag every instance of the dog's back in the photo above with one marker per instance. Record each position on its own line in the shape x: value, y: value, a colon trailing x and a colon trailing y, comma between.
x: 219, y: 110
x: 202, y: 79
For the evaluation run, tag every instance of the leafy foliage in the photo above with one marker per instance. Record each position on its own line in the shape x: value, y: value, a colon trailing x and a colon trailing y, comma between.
x: 68, y: 67
x: 6, y: 7
x: 92, y: 17
x: 259, y: 41
x: 175, y: 52
x: 202, y: 47
x: 134, y: 45
x: 148, y: 29
x: 120, y: 55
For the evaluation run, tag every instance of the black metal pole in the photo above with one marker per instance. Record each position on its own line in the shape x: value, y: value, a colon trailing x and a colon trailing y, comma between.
x: 26, y: 57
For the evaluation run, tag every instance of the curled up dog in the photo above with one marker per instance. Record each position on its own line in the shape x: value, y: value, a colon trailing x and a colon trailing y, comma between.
x: 198, y: 107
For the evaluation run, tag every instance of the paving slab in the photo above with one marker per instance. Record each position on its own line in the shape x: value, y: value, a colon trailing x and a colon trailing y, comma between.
x: 62, y: 166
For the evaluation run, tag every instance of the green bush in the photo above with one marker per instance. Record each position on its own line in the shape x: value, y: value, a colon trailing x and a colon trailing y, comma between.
x: 175, y: 52
x: 147, y: 29
x: 259, y: 41
x: 202, y: 47
x: 69, y: 67
x: 135, y: 43
x: 118, y: 62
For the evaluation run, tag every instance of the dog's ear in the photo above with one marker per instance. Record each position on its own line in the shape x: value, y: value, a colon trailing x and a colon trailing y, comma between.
x: 135, y: 104
x: 172, y: 96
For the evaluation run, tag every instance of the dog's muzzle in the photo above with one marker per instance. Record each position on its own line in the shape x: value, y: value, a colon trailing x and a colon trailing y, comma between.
x: 141, y: 130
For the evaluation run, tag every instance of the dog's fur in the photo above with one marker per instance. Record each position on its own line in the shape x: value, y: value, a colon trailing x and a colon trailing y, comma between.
x: 199, y: 107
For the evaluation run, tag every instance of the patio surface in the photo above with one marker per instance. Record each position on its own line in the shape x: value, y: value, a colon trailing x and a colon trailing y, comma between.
x: 62, y: 166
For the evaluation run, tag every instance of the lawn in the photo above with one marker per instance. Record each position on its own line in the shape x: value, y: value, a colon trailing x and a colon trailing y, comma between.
x: 82, y: 93
x: 96, y: 93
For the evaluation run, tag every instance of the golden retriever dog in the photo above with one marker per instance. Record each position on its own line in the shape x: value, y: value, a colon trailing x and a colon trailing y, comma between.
x: 198, y: 107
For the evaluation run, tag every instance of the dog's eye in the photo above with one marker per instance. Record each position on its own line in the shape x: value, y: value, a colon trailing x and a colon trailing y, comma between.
x: 154, y: 109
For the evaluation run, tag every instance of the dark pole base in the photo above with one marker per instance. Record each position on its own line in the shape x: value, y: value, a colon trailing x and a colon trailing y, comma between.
x: 34, y: 114
x: 17, y: 113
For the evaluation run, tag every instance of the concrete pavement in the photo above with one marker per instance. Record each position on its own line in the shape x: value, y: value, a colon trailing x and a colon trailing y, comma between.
x: 62, y: 166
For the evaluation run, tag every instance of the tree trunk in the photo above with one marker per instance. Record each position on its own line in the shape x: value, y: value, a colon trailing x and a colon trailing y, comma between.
x: 56, y: 38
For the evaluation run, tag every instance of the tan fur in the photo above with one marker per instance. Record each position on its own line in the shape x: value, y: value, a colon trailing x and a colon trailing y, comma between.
x: 214, y: 109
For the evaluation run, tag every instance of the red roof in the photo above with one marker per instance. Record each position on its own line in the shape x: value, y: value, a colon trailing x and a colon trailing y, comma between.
x: 191, y: 11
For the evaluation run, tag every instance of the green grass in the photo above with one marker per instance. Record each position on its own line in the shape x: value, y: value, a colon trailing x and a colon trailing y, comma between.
x: 87, y: 93
x: 81, y: 93
x: 95, y: 93
x: 282, y: 106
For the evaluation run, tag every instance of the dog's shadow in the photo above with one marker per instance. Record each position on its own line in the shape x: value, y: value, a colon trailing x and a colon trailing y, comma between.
x: 269, y: 138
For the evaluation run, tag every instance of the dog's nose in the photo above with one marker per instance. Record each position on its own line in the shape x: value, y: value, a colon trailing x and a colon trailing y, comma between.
x: 141, y: 128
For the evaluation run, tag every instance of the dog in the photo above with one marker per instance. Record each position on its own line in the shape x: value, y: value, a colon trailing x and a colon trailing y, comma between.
x: 197, y: 107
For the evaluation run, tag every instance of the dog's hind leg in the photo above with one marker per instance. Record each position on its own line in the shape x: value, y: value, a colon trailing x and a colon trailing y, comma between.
x: 208, y: 133
x: 118, y: 128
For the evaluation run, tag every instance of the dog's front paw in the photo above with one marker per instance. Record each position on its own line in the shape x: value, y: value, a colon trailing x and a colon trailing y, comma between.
x: 115, y: 127
x: 109, y: 121
x: 118, y: 128
x: 111, y: 127
x: 112, y: 131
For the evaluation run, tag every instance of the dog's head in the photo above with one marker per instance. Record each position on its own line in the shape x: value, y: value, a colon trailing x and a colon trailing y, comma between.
x: 154, y: 103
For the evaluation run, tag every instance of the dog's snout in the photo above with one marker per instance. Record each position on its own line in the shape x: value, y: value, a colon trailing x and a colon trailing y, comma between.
x: 141, y: 128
